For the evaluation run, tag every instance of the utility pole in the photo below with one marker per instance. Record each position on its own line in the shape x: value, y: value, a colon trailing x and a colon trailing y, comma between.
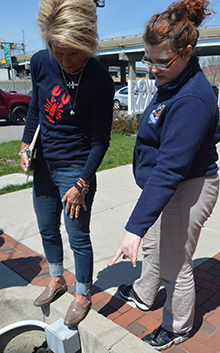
x: 23, y: 43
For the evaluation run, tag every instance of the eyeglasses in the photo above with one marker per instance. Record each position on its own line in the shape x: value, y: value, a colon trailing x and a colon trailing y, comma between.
x: 159, y: 66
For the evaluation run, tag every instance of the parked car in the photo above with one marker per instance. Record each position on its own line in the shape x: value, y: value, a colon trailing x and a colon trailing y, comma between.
x: 215, y: 89
x: 14, y: 106
x: 121, y: 98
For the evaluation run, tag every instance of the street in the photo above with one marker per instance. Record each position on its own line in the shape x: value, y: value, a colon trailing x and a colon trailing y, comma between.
x: 9, y: 132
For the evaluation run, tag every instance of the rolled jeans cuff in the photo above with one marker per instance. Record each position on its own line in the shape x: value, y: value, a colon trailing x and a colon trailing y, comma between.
x: 82, y: 288
x: 56, y: 269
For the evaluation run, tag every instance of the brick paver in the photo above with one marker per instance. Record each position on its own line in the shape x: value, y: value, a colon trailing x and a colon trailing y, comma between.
x: 205, y: 337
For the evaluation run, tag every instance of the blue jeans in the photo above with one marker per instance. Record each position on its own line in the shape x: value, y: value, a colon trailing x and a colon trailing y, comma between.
x: 50, y: 185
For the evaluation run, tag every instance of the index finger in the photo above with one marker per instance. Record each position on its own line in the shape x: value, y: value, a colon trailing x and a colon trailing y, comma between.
x: 118, y: 253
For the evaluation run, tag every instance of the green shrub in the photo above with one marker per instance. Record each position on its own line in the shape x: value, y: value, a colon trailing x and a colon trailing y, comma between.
x: 124, y: 124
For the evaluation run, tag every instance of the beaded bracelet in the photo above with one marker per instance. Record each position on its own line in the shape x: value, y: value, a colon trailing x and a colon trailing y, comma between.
x: 22, y: 151
x: 83, y: 189
x: 83, y: 183
x: 78, y: 187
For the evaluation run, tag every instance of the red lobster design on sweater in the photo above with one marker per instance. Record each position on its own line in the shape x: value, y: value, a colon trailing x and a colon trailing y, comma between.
x: 53, y: 107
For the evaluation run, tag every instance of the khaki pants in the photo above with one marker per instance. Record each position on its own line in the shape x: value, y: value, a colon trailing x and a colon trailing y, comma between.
x: 168, y: 247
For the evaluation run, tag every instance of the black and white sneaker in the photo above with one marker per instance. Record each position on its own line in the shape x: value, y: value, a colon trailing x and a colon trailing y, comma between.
x: 162, y: 339
x: 128, y: 293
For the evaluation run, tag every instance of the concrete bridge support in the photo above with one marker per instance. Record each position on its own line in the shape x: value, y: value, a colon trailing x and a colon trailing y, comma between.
x: 130, y: 59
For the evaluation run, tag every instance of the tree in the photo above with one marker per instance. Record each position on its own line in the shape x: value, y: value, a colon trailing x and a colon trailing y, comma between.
x: 211, y: 68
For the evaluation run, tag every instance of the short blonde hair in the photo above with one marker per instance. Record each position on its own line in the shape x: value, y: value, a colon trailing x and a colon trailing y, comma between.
x: 69, y: 23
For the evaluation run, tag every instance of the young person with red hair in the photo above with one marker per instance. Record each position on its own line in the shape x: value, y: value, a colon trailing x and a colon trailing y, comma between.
x: 175, y: 166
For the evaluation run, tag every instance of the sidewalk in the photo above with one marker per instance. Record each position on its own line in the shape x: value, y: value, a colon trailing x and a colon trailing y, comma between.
x: 22, y: 252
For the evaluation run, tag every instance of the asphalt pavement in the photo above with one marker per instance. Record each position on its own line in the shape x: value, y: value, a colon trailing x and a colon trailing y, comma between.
x: 9, y: 132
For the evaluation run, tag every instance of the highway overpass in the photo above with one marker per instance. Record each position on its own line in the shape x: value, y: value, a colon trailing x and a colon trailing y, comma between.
x: 123, y: 53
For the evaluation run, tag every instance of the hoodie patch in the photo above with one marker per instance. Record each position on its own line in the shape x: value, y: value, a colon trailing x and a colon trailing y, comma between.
x: 155, y: 114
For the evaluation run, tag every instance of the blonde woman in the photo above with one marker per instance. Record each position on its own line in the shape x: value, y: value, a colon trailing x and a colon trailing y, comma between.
x: 72, y: 101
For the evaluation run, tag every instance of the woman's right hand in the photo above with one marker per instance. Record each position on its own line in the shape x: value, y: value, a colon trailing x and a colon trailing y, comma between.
x: 23, y: 156
x: 24, y: 161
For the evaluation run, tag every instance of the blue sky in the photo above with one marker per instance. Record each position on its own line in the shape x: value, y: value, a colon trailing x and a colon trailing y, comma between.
x: 117, y: 18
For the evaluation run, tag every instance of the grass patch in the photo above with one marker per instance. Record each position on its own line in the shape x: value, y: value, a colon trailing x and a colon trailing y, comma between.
x: 120, y: 152
x: 9, y: 158
x: 12, y: 188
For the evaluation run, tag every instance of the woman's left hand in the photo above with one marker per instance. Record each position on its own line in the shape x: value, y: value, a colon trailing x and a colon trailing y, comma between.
x: 74, y: 199
x: 128, y: 247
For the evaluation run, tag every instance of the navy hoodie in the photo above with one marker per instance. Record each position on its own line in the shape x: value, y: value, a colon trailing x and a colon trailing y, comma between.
x: 176, y: 141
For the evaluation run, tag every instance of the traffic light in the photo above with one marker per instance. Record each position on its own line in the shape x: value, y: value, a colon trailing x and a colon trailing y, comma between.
x: 100, y: 3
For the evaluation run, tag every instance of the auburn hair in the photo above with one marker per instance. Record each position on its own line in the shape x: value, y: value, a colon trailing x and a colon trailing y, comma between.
x: 178, y: 24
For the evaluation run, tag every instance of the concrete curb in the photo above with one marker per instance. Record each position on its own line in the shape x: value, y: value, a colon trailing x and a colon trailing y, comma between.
x: 97, y: 333
x: 13, y: 179
x: 100, y: 335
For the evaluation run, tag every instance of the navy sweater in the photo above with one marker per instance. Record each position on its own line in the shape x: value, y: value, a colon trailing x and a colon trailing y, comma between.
x: 81, y: 139
x: 176, y: 141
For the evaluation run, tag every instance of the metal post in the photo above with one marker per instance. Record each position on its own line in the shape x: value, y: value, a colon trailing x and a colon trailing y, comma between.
x: 12, y: 73
x: 23, y: 44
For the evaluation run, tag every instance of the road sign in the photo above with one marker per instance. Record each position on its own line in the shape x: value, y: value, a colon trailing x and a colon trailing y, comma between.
x: 7, y: 52
x: 7, y: 56
x: 6, y: 45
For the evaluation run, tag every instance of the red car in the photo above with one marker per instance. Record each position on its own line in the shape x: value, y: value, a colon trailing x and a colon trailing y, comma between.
x: 14, y: 106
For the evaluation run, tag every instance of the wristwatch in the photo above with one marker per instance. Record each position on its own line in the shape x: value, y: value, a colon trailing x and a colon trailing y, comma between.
x: 83, y: 189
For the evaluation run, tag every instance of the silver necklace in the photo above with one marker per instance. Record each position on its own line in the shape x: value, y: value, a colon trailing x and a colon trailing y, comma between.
x: 72, y: 106
x: 73, y: 84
